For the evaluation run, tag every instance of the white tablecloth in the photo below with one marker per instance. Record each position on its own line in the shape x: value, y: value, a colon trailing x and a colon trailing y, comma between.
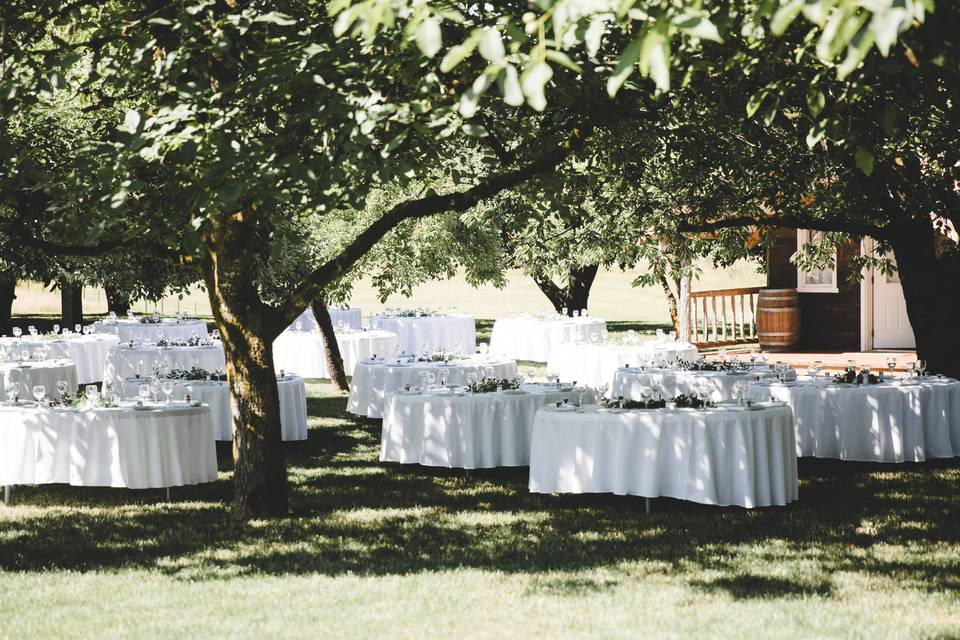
x: 308, y: 322
x: 439, y: 332
x: 713, y: 385
x: 531, y: 338
x: 888, y: 422
x: 146, y: 332
x: 372, y: 381
x: 124, y: 362
x: 293, y: 403
x: 730, y: 456
x: 45, y: 372
x: 302, y: 352
x: 466, y: 431
x: 138, y: 449
x: 89, y: 353
x: 596, y: 364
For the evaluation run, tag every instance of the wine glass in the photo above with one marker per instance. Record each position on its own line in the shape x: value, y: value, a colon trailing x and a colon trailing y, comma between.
x: 594, y: 338
x: 891, y: 365
x: 167, y: 387
x: 62, y: 387
x: 422, y: 377
x: 33, y: 330
x: 457, y: 348
x: 431, y: 378
x: 215, y: 334
x: 17, y: 332
x: 155, y: 388
x: 424, y: 347
x: 25, y: 354
x: 922, y: 366
x: 143, y: 391
x: 576, y: 313
x: 563, y: 311
x: 583, y: 313
x: 39, y: 392
x: 56, y: 329
x: 911, y: 368
x: 531, y: 372
x: 90, y: 393
x: 78, y: 328
x: 444, y: 375
x: 13, y: 391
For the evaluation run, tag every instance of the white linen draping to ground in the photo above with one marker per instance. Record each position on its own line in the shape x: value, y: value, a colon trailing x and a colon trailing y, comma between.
x: 596, y: 364
x: 301, y: 352
x: 532, y: 338
x: 466, y: 431
x: 439, y: 332
x: 89, y: 352
x: 716, y: 386
x: 723, y: 456
x: 216, y: 394
x: 373, y: 380
x: 37, y: 372
x: 124, y: 362
x: 888, y: 422
x: 168, y: 328
x: 150, y: 447
x: 308, y: 322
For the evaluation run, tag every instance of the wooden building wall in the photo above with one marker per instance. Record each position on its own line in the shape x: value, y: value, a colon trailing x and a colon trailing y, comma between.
x: 827, y: 320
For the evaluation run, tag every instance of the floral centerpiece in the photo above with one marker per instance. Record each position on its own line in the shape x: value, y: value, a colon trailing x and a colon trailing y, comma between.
x: 197, y: 373
x: 682, y: 401
x: 80, y: 400
x: 419, y: 312
x: 441, y: 356
x: 491, y: 385
x: 850, y: 376
x: 151, y: 319
x: 193, y: 341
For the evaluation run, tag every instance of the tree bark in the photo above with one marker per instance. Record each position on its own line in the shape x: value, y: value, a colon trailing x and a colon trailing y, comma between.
x: 117, y: 301
x: 248, y: 328
x: 8, y: 293
x: 929, y: 281
x: 71, y: 304
x: 575, y: 295
x: 331, y: 349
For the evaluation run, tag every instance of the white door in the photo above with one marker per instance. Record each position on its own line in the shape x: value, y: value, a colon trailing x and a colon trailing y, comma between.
x: 891, y: 328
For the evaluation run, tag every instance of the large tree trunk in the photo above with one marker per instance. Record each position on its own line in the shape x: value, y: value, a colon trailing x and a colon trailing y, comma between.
x: 8, y: 293
x: 576, y: 293
x: 248, y: 328
x: 331, y: 349
x: 117, y: 300
x: 929, y: 282
x: 71, y: 304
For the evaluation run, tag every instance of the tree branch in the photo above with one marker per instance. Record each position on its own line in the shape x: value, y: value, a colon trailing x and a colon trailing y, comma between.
x: 842, y: 226
x: 314, y: 284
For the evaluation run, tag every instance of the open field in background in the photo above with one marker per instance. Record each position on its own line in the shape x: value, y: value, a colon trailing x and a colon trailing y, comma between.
x: 612, y: 298
x: 373, y: 550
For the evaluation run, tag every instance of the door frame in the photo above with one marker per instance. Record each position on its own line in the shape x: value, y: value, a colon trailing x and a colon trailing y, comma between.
x: 866, y: 299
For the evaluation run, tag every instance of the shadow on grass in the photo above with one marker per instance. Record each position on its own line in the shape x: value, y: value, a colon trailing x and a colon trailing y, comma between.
x: 350, y: 513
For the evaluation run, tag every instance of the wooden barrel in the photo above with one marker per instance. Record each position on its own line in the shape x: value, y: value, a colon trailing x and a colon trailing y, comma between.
x: 778, y: 319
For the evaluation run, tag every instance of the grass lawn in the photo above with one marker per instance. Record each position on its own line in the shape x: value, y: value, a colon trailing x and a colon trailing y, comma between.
x: 869, y: 551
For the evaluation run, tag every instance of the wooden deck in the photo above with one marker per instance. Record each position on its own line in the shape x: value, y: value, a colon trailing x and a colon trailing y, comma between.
x: 834, y: 360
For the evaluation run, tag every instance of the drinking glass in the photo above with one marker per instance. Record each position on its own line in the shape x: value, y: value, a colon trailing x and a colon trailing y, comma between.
x: 891, y: 365
x: 112, y: 316
x: 576, y: 313
x: 431, y: 378
x: 471, y: 377
x: 17, y: 332
x: 911, y: 368
x: 444, y: 375
x: 32, y: 329
x: 563, y: 311
x: 422, y: 377
x: 583, y: 313
x: 25, y: 354
x: 56, y: 329
x: 13, y: 391
x: 922, y: 366
x: 458, y: 348
x: 215, y: 334
x: 155, y: 388
x: 167, y: 387
x: 594, y: 338
x: 531, y: 372
x: 851, y: 365
x: 90, y: 393
x: 62, y: 389
x: 78, y: 328
x: 143, y: 391
x: 39, y: 392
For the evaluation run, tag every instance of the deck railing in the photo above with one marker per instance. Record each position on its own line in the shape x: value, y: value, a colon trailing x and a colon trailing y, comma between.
x: 723, y: 316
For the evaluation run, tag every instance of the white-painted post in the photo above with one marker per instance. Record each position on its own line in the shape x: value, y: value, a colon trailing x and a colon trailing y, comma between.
x: 7, y: 494
x: 683, y: 308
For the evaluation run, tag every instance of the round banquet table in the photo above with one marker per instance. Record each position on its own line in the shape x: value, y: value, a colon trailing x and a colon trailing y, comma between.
x: 447, y: 333
x: 302, y: 352
x: 168, y: 328
x: 372, y: 381
x: 88, y: 352
x: 888, y: 422
x: 124, y: 362
x: 466, y: 430
x: 596, y: 364
x: 531, y: 338
x: 216, y: 394
x: 137, y: 448
x: 308, y: 322
x: 729, y: 455
x: 37, y: 372
x: 717, y: 386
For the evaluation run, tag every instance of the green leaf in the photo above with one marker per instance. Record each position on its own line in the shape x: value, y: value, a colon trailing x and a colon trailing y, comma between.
x: 491, y: 45
x: 753, y: 104
x: 510, y: 86
x: 534, y: 81
x: 856, y: 52
x: 654, y: 61
x: 563, y: 60
x: 594, y: 34
x: 471, y: 97
x: 131, y: 121
x: 785, y: 15
x: 277, y: 18
x: 458, y: 54
x: 428, y: 37
x: 624, y: 66
x: 816, y: 101
x: 699, y: 27
x: 865, y: 159
x: 816, y: 133
x: 474, y: 130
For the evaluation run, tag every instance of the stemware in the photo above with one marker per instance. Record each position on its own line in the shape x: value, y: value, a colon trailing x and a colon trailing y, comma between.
x: 33, y: 330
x: 143, y: 391
x: 922, y: 366
x: 891, y: 365
x: 215, y: 334
x: 471, y: 377
x: 583, y: 313
x: 13, y: 391
x: 56, y: 329
x: 576, y: 313
x: 431, y: 378
x: 911, y: 369
x: 531, y: 372
x: 563, y: 311
x: 155, y: 388
x: 62, y: 387
x: 39, y: 392
x: 78, y: 328
x: 25, y: 354
x: 422, y: 377
x: 444, y: 375
x: 17, y: 332
x: 167, y: 387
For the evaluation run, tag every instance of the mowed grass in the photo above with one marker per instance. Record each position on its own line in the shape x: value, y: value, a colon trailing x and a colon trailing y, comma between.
x: 612, y: 297
x: 377, y: 550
